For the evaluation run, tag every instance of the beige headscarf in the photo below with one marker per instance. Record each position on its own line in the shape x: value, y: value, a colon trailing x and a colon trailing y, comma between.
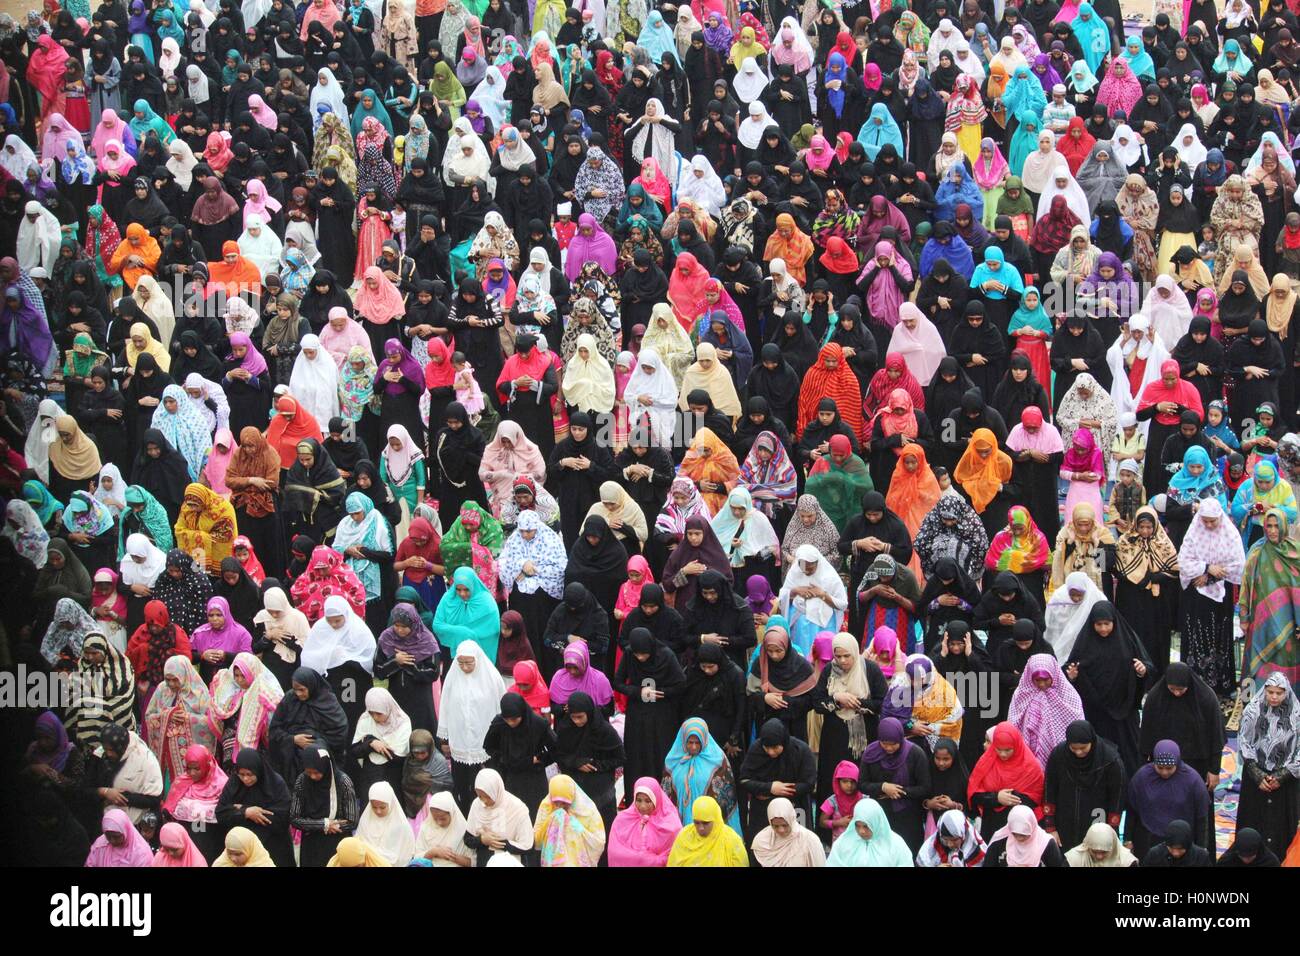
x: 78, y: 458
x: 716, y: 381
x: 624, y: 510
x: 548, y: 92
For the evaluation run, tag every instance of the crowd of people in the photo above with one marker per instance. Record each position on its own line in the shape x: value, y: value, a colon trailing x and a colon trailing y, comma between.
x: 498, y: 433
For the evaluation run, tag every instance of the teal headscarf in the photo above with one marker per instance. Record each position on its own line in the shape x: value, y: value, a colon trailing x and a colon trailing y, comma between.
x: 648, y: 212
x: 1024, y: 141
x: 1093, y: 35
x: 1006, y: 273
x: 476, y: 619
x: 154, y: 519
x: 43, y: 503
x: 1036, y: 318
x: 140, y: 126
x: 371, y: 534
x: 885, y: 848
x: 378, y: 111
x: 231, y: 73
x: 1024, y: 94
x: 167, y: 27
x: 879, y: 129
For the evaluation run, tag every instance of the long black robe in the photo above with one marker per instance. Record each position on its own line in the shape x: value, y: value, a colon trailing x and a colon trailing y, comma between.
x: 522, y: 753
x: 339, y: 253
x: 795, y: 764
x: 1079, y: 792
x: 651, y: 725
x: 269, y: 792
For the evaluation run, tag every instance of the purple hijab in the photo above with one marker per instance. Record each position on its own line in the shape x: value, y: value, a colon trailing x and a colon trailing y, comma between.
x: 233, y: 638
x: 25, y: 327
x: 592, y: 682
x: 760, y: 594
x: 407, y: 365
x: 476, y: 123
x: 1049, y: 78
x: 1159, y: 802
x: 1122, y: 289
x: 253, y: 361
x: 420, y: 643
x: 49, y: 724
x: 894, y: 765
x: 598, y: 247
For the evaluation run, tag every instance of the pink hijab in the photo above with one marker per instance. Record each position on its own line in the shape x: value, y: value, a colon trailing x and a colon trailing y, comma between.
x: 260, y: 202
x: 1043, y: 715
x: 381, y: 304
x: 110, y: 128
x: 885, y: 297
x: 174, y: 836
x: 598, y: 247
x: 327, y: 12
x: 135, y: 852
x: 922, y: 348
x: 264, y: 115
x: 638, y: 840
x: 58, y: 133
x: 1021, y: 821
x: 214, y: 472
x: 819, y: 153
x: 629, y: 594
x: 1044, y: 437
x: 206, y: 790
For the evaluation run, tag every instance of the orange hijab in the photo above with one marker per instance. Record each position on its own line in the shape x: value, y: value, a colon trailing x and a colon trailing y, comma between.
x: 717, y: 465
x: 243, y: 276
x: 283, y: 434
x: 983, y: 477
x: 148, y: 250
x: 838, y: 383
x: 795, y: 250
x: 912, y: 493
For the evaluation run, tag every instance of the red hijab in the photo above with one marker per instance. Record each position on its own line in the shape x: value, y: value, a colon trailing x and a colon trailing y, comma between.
x: 1020, y: 772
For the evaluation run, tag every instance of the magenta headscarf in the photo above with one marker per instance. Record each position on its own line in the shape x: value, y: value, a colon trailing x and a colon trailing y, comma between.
x: 810, y: 157
x: 253, y: 361
x: 407, y: 365
x: 1041, y: 716
x: 592, y: 682
x: 885, y: 643
x: 1087, y: 460
x: 636, y: 840
x: 598, y: 247
x: 135, y: 852
x: 233, y: 638
x: 884, y: 297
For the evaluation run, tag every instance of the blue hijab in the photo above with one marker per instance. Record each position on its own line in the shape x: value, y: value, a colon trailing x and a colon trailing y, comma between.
x: 1093, y: 35
x: 836, y: 69
x: 1024, y: 94
x: 1006, y: 273
x: 958, y: 187
x: 879, y: 129
x: 954, y: 249
x: 691, y: 775
x: 1240, y: 65
x: 1190, y: 486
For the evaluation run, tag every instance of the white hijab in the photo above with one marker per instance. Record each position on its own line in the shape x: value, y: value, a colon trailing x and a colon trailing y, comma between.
x: 1126, y: 154
x: 142, y: 572
x: 315, y: 382
x: 327, y: 647
x: 43, y: 432
x: 469, y: 702
x: 451, y: 837
x: 38, y: 242
x: 331, y: 94
x: 1063, y: 619
x: 490, y: 95
x: 1151, y: 349
x: 1072, y: 191
x: 701, y: 184
x: 390, y: 834
x: 824, y: 576
x: 474, y: 166
x: 750, y: 81
x: 1169, y: 317
x: 1190, y: 148
x: 507, y: 818
x: 750, y: 130
x: 115, y: 500
x: 660, y: 385
x: 16, y: 163
x: 181, y: 162
x: 262, y: 250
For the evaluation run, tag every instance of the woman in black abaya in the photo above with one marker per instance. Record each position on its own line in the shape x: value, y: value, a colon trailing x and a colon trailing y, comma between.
x: 334, y: 206
x: 253, y: 784
x: 308, y: 717
x: 1082, y: 790
x: 458, y: 451
x: 1109, y: 668
x: 1077, y: 350
x: 980, y: 348
x: 520, y: 745
x: 652, y: 681
x: 598, y: 561
x: 161, y: 470
x: 1146, y: 583
x: 323, y: 806
x: 1200, y: 359
x: 1181, y: 707
x: 589, y: 750
x: 142, y: 395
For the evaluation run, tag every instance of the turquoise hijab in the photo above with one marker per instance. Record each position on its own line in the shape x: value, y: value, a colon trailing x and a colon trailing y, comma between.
x: 476, y: 619
x: 885, y: 848
x: 879, y: 129
x: 1036, y: 318
x: 1024, y: 141
x: 378, y: 111
x: 150, y: 121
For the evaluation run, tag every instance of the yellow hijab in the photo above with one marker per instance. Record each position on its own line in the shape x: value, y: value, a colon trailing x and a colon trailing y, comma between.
x: 722, y: 847
x: 151, y: 345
